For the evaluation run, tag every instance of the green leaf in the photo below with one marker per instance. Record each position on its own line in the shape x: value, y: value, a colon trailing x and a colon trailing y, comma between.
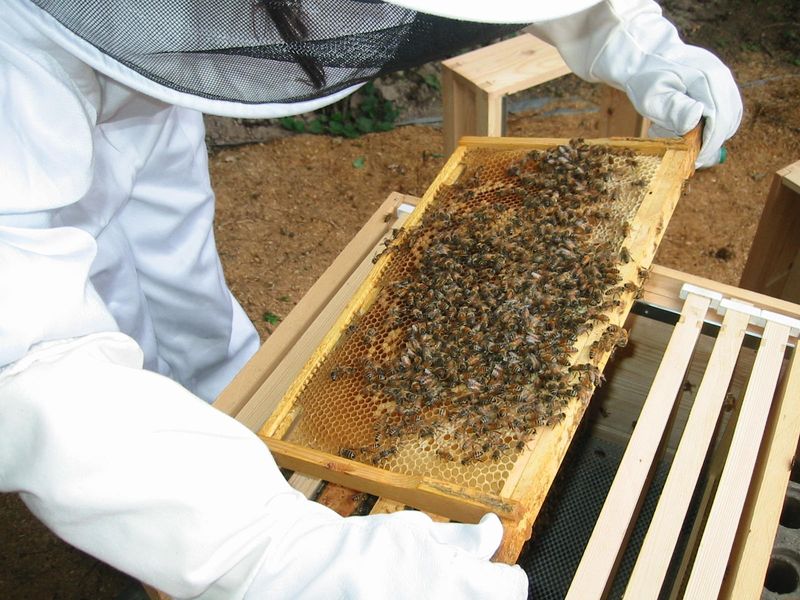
x: 287, y: 123
x: 336, y: 128
x: 368, y: 105
x: 337, y: 117
x: 350, y: 131
x: 359, y: 162
x: 432, y: 81
x: 285, y: 299
x: 271, y: 318
x: 384, y: 126
x: 316, y: 126
x: 365, y: 125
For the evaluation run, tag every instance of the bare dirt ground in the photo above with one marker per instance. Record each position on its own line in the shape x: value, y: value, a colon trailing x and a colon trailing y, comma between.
x: 287, y: 206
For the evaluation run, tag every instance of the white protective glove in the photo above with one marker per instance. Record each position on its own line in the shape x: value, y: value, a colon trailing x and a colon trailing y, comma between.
x: 629, y: 45
x: 130, y: 467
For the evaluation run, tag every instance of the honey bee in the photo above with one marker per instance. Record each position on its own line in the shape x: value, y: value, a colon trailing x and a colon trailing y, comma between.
x: 348, y: 453
x: 444, y: 454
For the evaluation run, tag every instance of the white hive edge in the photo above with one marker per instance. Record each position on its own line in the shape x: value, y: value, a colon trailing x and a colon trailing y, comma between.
x: 792, y: 323
x: 405, y: 208
x: 756, y: 317
x: 688, y: 288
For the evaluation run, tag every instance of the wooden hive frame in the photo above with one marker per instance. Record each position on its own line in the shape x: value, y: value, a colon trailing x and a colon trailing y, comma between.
x: 525, y: 488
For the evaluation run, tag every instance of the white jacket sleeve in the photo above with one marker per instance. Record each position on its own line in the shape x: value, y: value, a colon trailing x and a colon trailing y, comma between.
x: 129, y: 466
x: 629, y: 45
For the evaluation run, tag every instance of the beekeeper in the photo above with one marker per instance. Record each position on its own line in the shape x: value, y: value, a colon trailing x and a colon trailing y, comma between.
x: 116, y: 325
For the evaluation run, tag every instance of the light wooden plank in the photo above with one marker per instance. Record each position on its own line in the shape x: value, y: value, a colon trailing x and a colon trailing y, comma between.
x: 439, y: 497
x: 280, y: 402
x: 306, y: 485
x: 266, y: 402
x: 791, y: 176
x: 654, y: 146
x: 240, y: 391
x: 665, y: 527
x: 619, y: 510
x: 756, y: 534
x: 772, y: 265
x: 715, y: 546
x: 459, y: 112
x: 490, y: 111
x: 384, y: 506
x: 620, y: 116
x: 510, y: 66
x: 629, y: 376
x: 714, y: 471
x: 664, y: 285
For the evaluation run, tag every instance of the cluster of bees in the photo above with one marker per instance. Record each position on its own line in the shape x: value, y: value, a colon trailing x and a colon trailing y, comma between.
x: 509, y: 277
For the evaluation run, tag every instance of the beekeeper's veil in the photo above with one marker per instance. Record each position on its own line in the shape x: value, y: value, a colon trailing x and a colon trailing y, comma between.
x: 266, y: 57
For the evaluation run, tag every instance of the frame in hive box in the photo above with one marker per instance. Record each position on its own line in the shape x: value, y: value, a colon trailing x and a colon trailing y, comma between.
x: 302, y: 433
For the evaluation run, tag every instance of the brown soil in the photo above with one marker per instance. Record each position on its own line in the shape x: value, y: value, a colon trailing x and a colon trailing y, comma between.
x: 287, y: 207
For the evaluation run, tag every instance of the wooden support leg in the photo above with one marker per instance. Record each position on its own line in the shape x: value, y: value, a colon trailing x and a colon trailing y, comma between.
x: 459, y: 109
x: 468, y: 110
x: 773, y: 266
x: 619, y: 117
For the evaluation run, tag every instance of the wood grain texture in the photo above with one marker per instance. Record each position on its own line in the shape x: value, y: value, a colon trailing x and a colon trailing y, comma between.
x: 664, y: 286
x: 755, y: 536
x: 659, y: 543
x: 457, y: 502
x: 620, y: 117
x: 619, y: 511
x: 319, y: 298
x: 536, y: 468
x: 712, y: 555
x: 773, y: 265
x: 459, y: 111
x: 509, y: 66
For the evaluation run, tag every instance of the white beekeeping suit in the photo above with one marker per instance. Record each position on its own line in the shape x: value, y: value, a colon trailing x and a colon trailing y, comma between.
x: 116, y: 323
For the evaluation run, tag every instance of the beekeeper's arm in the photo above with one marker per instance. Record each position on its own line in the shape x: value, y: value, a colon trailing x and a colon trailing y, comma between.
x: 629, y: 45
x: 129, y: 466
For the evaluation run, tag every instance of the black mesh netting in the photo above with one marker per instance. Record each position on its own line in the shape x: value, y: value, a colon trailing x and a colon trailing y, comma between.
x: 243, y: 51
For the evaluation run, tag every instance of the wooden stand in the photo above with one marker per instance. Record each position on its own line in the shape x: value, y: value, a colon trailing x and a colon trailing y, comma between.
x: 773, y: 266
x: 475, y: 86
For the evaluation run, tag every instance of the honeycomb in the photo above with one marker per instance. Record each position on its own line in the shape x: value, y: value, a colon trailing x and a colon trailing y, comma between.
x: 346, y: 407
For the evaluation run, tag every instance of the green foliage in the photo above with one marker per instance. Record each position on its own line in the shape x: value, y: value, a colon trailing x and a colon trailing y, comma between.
x: 432, y: 81
x: 359, y: 162
x: 271, y: 318
x: 363, y: 112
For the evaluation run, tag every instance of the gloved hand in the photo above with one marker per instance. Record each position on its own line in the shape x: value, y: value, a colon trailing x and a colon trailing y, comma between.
x: 629, y: 45
x: 399, y: 555
x: 130, y: 467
